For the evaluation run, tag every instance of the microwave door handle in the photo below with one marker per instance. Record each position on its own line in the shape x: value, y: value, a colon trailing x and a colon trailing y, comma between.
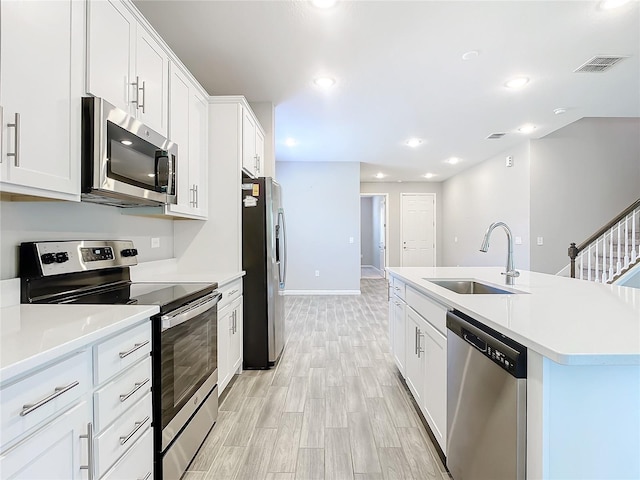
x: 186, y: 314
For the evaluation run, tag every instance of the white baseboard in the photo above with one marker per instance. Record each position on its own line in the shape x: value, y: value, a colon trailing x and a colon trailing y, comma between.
x: 321, y: 292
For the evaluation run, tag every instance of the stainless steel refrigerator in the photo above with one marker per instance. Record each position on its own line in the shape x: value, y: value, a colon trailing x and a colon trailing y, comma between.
x: 264, y: 258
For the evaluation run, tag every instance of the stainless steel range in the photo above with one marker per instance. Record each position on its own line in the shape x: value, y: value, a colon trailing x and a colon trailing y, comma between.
x: 184, y: 333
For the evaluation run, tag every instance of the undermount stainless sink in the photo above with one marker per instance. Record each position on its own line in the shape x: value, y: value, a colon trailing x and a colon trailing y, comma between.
x: 470, y: 287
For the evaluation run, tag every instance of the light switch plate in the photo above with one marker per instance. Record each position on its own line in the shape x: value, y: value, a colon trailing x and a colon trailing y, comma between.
x: 540, y: 241
x: 155, y: 242
x: 518, y: 240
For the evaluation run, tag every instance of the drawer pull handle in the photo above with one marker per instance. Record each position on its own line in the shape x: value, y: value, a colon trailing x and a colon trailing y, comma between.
x: 233, y: 292
x: 90, y: 455
x: 136, y: 346
x: 30, y: 407
x: 147, y: 476
x: 138, y: 426
x: 137, y: 386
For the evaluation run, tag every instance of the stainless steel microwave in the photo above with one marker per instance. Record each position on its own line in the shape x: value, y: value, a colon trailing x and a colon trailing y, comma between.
x: 124, y: 162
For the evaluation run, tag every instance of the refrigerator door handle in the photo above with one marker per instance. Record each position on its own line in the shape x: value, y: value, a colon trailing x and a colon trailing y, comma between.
x: 283, y: 245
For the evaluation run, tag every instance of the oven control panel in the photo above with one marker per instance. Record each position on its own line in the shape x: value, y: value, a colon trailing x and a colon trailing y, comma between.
x: 55, y: 258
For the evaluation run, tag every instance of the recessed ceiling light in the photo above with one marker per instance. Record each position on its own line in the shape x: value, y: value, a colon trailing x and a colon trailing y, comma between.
x: 380, y: 175
x: 324, y: 82
x: 470, y: 55
x: 452, y: 160
x: 516, y: 82
x: 413, y: 142
x: 290, y: 142
x: 429, y: 175
x: 323, y: 3
x: 528, y: 128
x: 611, y: 4
x: 559, y: 111
x: 126, y: 142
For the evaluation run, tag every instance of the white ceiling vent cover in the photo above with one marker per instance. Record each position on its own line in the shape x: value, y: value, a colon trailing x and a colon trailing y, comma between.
x: 599, y: 63
x: 495, y: 136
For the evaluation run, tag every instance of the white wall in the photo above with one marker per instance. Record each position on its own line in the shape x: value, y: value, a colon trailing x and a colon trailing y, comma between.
x: 486, y: 193
x: 37, y: 221
x: 394, y: 190
x: 322, y: 205
x: 581, y: 177
x: 366, y: 231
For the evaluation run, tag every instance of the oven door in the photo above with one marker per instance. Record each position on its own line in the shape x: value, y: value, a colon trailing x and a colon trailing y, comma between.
x: 187, y: 361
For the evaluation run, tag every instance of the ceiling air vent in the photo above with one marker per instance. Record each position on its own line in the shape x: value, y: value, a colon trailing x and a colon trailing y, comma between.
x: 599, y: 63
x: 495, y: 136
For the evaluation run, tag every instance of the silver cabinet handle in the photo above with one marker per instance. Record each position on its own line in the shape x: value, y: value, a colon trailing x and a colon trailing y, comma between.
x: 16, y: 136
x: 138, y: 425
x: 146, y: 477
x: 144, y: 97
x: 415, y: 340
x: 233, y: 292
x: 90, y: 460
x: 397, y: 304
x: 397, y: 288
x: 136, y: 346
x: 136, y: 386
x: 136, y: 84
x: 420, y: 349
x: 30, y: 407
x: 195, y: 196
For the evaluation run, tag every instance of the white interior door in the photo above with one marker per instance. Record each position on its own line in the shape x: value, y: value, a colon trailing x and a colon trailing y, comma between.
x: 382, y: 243
x: 418, y: 230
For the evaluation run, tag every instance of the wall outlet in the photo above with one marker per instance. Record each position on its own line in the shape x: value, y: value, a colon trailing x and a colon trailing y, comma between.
x: 455, y: 239
x: 540, y: 241
x: 317, y: 273
x: 350, y: 239
x: 155, y: 242
x: 509, y: 161
x: 518, y: 240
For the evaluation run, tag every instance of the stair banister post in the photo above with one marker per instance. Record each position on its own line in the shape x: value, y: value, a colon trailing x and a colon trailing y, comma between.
x: 573, y: 253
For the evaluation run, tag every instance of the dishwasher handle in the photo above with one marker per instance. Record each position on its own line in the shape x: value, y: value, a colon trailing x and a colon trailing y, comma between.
x: 501, y: 350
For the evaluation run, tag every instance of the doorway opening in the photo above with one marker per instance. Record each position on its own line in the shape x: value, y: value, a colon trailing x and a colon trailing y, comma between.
x: 374, y: 218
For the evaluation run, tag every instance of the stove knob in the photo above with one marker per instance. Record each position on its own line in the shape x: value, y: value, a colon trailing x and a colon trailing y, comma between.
x: 62, y: 257
x: 48, y: 258
x: 129, y: 252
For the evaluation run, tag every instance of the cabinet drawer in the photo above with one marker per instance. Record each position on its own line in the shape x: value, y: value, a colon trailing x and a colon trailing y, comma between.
x: 230, y: 292
x: 113, y: 442
x: 398, y: 287
x: 30, y: 401
x: 122, y: 351
x: 434, y: 313
x: 137, y: 462
x: 117, y: 396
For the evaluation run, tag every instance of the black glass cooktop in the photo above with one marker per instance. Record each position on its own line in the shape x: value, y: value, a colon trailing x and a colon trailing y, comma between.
x: 168, y: 296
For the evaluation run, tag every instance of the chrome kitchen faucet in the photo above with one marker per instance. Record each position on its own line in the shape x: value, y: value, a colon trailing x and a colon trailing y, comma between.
x: 511, y: 272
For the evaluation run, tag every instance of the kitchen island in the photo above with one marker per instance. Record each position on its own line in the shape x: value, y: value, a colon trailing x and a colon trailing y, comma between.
x: 583, y: 340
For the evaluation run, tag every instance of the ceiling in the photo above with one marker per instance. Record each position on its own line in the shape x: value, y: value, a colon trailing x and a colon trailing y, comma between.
x: 399, y: 73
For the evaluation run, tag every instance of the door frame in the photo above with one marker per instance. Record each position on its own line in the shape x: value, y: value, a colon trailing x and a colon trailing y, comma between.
x: 386, y: 227
x: 435, y: 223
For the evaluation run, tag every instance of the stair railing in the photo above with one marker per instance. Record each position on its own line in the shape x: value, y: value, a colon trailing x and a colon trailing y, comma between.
x: 610, y: 251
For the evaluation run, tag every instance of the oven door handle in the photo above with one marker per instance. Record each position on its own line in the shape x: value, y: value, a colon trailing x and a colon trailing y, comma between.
x: 190, y: 311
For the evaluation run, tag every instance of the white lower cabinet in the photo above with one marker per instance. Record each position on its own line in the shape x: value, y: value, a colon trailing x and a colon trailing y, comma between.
x: 419, y: 347
x: 57, y: 451
x: 229, y: 333
x: 77, y: 416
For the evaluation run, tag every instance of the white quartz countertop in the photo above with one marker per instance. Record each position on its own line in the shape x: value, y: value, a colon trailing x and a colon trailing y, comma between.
x: 570, y: 321
x: 31, y: 335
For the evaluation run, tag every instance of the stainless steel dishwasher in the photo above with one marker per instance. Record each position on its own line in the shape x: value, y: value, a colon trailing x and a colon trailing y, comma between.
x: 486, y: 402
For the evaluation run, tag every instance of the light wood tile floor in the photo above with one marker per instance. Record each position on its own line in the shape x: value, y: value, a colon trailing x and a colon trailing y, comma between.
x: 333, y: 408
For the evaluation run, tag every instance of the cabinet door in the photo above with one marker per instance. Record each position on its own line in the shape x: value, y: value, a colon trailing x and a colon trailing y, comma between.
x: 54, y: 452
x: 259, y: 153
x: 435, y: 385
x: 235, y: 343
x: 399, y: 333
x: 198, y: 152
x: 415, y: 357
x: 152, y: 70
x: 41, y: 82
x: 224, y: 326
x: 248, y: 142
x: 111, y: 31
x: 179, y: 133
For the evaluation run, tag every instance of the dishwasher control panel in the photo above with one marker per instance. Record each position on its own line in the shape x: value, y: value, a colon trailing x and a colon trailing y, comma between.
x: 501, y: 359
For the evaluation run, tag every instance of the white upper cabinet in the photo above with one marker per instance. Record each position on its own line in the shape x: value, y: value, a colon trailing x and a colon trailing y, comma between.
x: 252, y: 144
x: 125, y: 64
x: 41, y: 73
x: 188, y: 120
